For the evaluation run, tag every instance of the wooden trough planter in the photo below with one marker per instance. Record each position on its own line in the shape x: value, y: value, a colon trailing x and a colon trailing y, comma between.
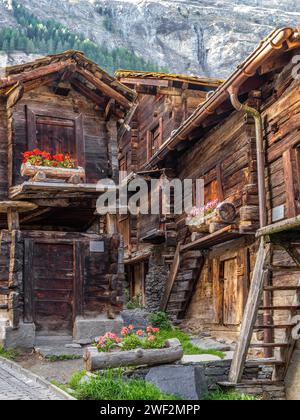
x: 224, y: 214
x: 44, y: 173
x: 95, y: 360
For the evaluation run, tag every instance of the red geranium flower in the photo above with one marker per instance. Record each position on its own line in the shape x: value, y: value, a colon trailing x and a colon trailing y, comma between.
x: 59, y: 157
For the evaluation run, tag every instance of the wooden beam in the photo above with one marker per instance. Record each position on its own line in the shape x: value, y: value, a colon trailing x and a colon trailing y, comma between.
x: 85, y: 91
x: 171, y: 279
x: 250, y: 315
x: 14, y: 95
x: 106, y: 89
x: 34, y: 74
x: 283, y: 226
x: 287, y: 159
x: 13, y: 219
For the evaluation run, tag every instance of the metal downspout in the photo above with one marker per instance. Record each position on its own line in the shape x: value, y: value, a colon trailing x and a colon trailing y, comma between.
x: 260, y: 150
x: 260, y: 154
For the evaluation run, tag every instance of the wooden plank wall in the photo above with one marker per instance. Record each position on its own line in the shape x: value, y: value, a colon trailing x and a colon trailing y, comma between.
x: 96, y: 134
x: 282, y: 124
x: 222, y: 157
x: 102, y: 274
x: 3, y: 151
x: 4, y: 270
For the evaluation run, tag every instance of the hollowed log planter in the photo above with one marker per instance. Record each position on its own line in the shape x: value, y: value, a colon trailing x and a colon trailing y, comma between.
x: 95, y: 360
x: 224, y: 214
x: 42, y: 173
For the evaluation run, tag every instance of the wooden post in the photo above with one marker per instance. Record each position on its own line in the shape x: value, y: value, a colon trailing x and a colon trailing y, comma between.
x: 111, y: 224
x: 171, y: 279
x: 13, y: 219
x: 256, y: 289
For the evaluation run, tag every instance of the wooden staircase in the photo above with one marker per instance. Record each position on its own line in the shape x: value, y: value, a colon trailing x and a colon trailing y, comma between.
x: 184, y: 274
x: 273, y: 302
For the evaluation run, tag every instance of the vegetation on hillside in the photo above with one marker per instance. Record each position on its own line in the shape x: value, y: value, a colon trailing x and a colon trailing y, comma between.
x: 38, y: 36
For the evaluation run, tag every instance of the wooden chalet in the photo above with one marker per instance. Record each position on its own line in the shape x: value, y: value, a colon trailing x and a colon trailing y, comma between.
x: 60, y: 263
x: 240, y: 279
x: 164, y: 102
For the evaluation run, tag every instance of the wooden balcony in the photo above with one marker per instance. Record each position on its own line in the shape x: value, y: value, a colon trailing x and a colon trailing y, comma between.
x: 41, y: 190
x: 221, y: 236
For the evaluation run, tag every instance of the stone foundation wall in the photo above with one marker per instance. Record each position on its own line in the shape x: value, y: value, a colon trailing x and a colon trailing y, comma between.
x: 155, y: 280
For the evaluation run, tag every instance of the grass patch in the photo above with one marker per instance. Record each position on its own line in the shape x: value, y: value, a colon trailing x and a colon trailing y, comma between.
x: 110, y: 386
x: 62, y: 357
x: 10, y: 354
x: 188, y: 347
x: 220, y: 395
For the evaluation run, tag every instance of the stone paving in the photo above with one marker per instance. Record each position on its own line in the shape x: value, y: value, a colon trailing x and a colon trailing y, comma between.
x: 16, y: 385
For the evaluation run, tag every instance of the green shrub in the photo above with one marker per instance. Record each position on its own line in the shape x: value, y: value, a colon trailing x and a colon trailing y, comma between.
x: 131, y: 342
x: 10, y: 354
x: 110, y: 386
x: 160, y: 320
x: 185, y: 340
x: 220, y: 395
x: 135, y: 303
x: 62, y: 357
x: 76, y: 378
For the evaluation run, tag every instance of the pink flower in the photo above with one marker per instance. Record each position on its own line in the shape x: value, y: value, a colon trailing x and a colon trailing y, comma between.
x: 151, y: 338
x: 124, y: 331
x: 139, y: 332
x: 130, y: 327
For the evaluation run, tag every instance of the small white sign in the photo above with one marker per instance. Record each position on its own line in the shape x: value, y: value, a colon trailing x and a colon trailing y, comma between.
x: 278, y: 213
x: 97, y: 246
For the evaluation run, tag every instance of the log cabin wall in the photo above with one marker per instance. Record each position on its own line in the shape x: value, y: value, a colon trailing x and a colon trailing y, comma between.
x: 3, y: 150
x: 280, y: 110
x: 61, y: 265
x: 224, y: 158
x: 96, y: 134
x: 54, y: 278
x: 162, y: 107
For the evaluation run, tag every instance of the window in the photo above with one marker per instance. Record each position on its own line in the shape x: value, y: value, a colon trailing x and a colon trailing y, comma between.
x: 211, y: 192
x: 56, y: 132
x: 154, y: 139
x: 123, y: 167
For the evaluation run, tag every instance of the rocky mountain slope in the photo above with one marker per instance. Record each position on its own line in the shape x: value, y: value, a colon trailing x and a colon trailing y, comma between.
x: 208, y: 37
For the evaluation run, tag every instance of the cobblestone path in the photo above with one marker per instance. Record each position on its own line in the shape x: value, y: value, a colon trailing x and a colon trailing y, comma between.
x: 16, y: 385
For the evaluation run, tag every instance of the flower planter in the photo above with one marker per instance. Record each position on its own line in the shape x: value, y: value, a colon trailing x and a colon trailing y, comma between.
x: 95, y: 360
x: 203, y: 226
x: 222, y: 215
x: 42, y: 173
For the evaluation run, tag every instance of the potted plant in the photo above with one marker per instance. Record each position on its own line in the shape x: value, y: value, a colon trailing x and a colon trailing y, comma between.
x: 40, y: 165
x: 132, y: 348
x: 199, y: 218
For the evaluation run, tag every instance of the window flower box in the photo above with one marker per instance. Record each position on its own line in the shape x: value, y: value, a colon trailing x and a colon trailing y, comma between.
x: 42, y: 166
x: 42, y: 173
x: 200, y: 219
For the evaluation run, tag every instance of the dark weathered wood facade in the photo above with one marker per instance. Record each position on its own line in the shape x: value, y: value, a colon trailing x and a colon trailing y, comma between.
x: 210, y: 277
x: 59, y: 263
x: 164, y: 102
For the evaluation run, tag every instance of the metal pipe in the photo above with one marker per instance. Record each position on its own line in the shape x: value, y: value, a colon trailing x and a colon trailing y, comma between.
x: 260, y: 150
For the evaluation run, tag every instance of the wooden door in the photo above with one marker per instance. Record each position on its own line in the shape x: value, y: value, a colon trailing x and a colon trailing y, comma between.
x: 230, y: 292
x: 56, y: 136
x: 49, y: 286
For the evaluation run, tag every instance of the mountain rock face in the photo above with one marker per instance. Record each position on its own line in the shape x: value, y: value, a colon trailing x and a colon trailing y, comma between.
x: 199, y: 37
